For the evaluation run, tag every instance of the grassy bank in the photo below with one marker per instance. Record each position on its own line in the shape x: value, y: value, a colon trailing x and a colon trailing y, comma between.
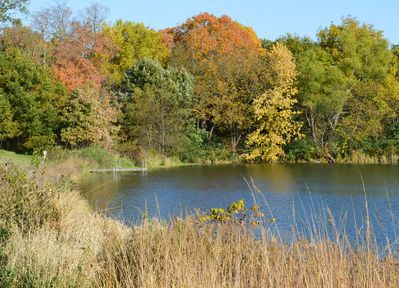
x: 8, y: 156
x: 71, y: 164
x: 49, y: 237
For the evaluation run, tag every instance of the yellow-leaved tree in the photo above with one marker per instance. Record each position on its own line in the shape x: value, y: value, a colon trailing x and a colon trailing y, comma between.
x: 273, y: 110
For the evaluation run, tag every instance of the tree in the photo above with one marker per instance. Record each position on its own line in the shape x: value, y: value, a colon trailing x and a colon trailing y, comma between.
x: 365, y: 110
x: 9, y: 6
x: 274, y: 116
x: 23, y: 38
x: 225, y: 57
x: 8, y: 127
x: 156, y: 106
x: 54, y: 22
x: 94, y: 16
x: 85, y: 119
x: 134, y: 42
x: 323, y: 92
x: 32, y: 94
x: 72, y: 60
x: 345, y: 86
x: 363, y: 55
x: 360, y: 51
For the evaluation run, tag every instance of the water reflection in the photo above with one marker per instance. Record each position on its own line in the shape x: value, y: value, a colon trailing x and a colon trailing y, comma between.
x: 288, y: 188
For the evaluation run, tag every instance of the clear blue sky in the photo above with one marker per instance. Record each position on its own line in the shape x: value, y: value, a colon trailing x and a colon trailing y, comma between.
x: 270, y: 19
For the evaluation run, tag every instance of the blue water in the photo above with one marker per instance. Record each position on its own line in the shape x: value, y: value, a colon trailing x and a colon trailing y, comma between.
x: 294, y: 193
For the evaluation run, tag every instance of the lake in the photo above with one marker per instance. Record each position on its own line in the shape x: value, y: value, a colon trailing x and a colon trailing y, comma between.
x: 295, y: 193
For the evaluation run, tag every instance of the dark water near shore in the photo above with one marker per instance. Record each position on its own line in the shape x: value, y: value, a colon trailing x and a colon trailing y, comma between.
x: 294, y: 192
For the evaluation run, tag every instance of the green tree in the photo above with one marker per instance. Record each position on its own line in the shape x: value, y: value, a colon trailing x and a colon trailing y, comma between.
x: 322, y: 92
x: 155, y: 106
x: 32, y: 94
x: 8, y: 127
x: 362, y: 54
x: 274, y: 123
x: 360, y: 51
x: 366, y: 109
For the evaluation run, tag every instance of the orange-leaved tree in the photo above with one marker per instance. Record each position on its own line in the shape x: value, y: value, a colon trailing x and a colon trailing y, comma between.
x: 225, y: 57
x: 87, y: 116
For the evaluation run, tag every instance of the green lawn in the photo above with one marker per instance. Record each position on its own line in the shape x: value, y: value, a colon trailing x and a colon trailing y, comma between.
x: 8, y: 156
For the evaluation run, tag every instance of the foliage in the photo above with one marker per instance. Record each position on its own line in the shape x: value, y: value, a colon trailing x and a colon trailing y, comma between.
x: 134, y: 42
x: 25, y: 201
x: 30, y: 42
x: 345, y: 91
x: 300, y: 150
x: 8, y: 126
x: 237, y: 213
x: 347, y: 86
x: 193, y: 150
x: 225, y: 55
x: 85, y: 119
x: 360, y: 51
x: 362, y: 54
x: 156, y: 105
x: 32, y: 93
x: 274, y: 117
x: 8, y: 6
x: 72, y: 64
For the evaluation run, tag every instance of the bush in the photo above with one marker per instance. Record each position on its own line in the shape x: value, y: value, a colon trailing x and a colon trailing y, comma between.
x: 194, y: 148
x: 25, y: 201
x: 300, y: 149
x: 103, y: 157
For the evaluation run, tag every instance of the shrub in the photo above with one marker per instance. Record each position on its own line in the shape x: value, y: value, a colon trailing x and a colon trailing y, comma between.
x: 103, y: 157
x: 300, y: 149
x: 25, y: 201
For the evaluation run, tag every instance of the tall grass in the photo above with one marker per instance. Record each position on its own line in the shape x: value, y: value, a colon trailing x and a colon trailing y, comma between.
x: 76, y: 247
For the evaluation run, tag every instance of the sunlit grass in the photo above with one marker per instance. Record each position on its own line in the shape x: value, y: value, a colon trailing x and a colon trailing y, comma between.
x: 80, y: 248
x: 8, y: 156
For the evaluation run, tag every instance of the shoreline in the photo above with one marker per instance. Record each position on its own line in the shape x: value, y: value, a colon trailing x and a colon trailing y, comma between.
x: 72, y: 245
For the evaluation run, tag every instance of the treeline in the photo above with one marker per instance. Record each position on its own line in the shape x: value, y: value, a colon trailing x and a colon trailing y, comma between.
x: 208, y: 89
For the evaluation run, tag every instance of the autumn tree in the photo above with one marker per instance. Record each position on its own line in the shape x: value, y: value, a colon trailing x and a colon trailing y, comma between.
x: 72, y: 64
x: 274, y: 123
x: 86, y: 119
x: 87, y: 116
x: 23, y: 38
x: 225, y: 58
x: 134, y: 42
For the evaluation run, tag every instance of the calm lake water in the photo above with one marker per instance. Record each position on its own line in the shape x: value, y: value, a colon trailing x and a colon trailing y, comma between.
x: 294, y: 192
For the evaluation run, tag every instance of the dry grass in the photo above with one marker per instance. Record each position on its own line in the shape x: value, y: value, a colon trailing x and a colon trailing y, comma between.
x: 184, y: 254
x: 84, y: 249
x: 360, y: 157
